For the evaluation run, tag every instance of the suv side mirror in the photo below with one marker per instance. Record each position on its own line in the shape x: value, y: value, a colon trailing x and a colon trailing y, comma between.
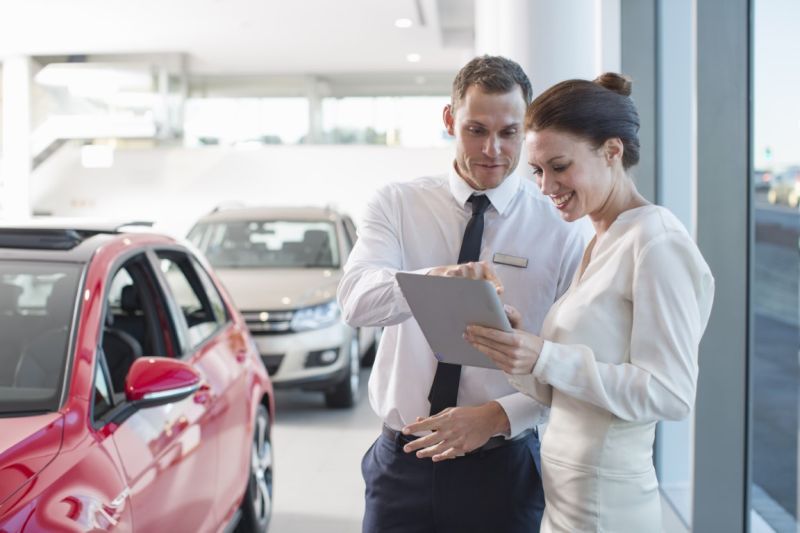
x: 153, y: 381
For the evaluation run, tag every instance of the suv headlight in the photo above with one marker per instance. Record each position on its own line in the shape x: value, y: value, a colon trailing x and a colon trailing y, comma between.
x: 316, y: 317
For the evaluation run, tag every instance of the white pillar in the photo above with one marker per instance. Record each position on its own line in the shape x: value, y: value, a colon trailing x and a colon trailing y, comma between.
x: 316, y: 90
x: 552, y: 40
x: 162, y: 108
x: 16, y: 169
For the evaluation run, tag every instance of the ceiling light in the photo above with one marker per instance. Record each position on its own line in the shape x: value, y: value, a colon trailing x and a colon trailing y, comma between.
x: 403, y: 23
x: 413, y: 58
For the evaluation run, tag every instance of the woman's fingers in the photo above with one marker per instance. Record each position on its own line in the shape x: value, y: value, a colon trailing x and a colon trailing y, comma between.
x: 502, y: 360
x: 490, y: 335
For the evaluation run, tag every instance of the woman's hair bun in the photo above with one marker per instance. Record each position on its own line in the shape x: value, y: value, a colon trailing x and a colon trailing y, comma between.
x: 615, y: 82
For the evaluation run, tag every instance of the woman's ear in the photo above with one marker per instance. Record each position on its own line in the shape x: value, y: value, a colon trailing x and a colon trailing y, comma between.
x: 613, y: 150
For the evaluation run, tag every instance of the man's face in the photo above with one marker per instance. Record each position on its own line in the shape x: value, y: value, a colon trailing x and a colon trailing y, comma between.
x: 488, y: 132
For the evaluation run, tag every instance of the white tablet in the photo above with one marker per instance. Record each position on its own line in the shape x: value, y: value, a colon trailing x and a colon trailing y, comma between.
x: 444, y: 307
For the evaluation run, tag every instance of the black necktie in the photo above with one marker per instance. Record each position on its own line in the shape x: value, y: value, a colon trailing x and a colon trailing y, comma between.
x: 444, y: 390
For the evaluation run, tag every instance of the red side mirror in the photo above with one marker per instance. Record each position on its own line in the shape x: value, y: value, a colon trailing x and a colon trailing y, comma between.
x: 160, y: 380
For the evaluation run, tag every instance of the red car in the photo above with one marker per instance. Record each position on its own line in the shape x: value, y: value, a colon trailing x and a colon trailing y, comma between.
x: 132, y: 397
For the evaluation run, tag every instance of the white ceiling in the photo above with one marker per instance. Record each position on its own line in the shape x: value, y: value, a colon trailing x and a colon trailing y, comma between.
x: 245, y: 37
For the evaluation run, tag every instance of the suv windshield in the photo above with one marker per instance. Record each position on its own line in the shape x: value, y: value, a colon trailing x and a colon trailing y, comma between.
x: 267, y: 243
x: 37, y: 300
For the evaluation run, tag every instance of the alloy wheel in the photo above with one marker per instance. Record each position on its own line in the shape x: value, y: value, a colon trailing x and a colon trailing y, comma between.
x: 261, y: 470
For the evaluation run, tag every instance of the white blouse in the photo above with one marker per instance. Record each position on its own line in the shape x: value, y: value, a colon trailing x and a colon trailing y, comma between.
x: 620, y: 353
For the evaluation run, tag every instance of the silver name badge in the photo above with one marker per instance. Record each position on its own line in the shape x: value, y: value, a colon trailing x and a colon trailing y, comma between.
x: 510, y: 260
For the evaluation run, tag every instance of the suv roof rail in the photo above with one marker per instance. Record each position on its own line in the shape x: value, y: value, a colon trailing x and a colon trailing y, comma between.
x: 42, y: 238
x: 51, y: 233
x: 134, y: 223
x: 234, y: 204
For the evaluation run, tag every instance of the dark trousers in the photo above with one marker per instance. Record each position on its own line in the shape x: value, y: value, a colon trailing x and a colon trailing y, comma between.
x: 494, y: 491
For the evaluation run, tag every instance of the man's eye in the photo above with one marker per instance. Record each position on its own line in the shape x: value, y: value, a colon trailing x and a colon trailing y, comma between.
x: 510, y: 133
x: 560, y: 168
x: 475, y: 131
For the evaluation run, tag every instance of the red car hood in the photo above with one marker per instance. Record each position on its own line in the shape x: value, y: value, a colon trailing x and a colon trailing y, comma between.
x: 27, y: 445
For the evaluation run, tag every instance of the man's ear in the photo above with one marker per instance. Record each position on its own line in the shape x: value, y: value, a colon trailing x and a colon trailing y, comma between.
x: 449, y: 119
x: 613, y: 150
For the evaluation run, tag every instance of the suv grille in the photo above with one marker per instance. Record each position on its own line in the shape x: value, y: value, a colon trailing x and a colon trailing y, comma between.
x: 268, y: 322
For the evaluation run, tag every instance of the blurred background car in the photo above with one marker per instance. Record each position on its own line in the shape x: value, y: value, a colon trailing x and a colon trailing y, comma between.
x: 132, y: 396
x: 785, y: 188
x: 282, y: 267
x: 762, y: 179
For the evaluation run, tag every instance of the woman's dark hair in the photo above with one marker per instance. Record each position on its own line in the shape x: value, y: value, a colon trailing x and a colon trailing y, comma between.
x: 593, y: 110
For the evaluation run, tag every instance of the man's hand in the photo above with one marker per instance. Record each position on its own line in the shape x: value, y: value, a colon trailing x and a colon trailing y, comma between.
x: 456, y: 431
x: 472, y: 270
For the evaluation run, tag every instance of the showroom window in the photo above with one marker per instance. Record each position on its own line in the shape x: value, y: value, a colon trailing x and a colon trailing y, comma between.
x: 410, y: 121
x: 245, y: 121
x: 774, y: 369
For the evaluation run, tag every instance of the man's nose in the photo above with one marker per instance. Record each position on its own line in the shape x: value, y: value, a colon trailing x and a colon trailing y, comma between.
x: 492, y: 146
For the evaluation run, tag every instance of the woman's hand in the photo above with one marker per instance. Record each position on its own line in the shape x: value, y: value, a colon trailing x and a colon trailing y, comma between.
x: 471, y: 270
x: 514, y: 352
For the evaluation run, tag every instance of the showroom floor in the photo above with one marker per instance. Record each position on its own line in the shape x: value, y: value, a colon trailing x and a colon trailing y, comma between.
x: 318, y: 484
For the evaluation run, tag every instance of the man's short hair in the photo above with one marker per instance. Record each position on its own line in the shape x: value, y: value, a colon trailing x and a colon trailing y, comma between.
x: 494, y: 75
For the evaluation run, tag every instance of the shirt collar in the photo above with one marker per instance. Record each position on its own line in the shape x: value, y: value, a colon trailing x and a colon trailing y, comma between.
x: 500, y: 196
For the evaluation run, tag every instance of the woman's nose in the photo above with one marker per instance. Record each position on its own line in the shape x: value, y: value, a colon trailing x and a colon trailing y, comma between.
x: 545, y: 184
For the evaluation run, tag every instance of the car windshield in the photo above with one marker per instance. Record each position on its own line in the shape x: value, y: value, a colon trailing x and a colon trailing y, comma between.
x: 37, y: 300
x: 268, y: 243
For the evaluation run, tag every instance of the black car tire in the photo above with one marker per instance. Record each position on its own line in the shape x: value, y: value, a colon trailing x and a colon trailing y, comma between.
x: 345, y: 393
x: 256, y: 506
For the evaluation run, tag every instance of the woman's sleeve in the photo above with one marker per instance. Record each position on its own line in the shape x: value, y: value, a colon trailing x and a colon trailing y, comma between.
x: 672, y: 293
x: 529, y: 385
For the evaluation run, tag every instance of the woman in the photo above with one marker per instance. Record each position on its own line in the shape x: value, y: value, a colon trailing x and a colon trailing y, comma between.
x: 618, y: 352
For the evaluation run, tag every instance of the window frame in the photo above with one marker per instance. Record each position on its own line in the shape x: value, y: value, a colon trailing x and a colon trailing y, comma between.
x: 185, y: 350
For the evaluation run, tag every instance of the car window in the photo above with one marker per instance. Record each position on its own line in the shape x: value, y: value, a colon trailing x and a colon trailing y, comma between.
x: 202, y: 320
x: 136, y: 321
x: 37, y: 301
x: 214, y: 298
x: 103, y: 401
x: 350, y: 229
x: 268, y: 243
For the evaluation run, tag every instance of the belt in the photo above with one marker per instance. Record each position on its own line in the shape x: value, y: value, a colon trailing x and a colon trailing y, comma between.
x: 491, y: 444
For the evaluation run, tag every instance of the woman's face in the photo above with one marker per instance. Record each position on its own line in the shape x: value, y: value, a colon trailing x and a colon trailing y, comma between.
x: 575, y: 176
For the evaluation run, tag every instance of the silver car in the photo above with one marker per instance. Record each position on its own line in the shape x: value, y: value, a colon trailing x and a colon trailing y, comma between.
x: 282, y: 266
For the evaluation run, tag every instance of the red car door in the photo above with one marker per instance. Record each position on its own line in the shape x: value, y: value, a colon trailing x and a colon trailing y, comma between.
x: 169, y: 453
x: 220, y: 350
x: 235, y: 383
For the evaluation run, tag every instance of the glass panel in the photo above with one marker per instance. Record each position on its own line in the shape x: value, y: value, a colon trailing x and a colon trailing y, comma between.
x: 413, y: 121
x: 214, y: 298
x: 103, y: 402
x: 36, y: 307
x: 245, y: 121
x: 775, y: 373
x: 188, y: 292
x: 268, y: 244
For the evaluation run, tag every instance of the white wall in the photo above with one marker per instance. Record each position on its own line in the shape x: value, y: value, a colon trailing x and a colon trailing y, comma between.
x: 173, y: 186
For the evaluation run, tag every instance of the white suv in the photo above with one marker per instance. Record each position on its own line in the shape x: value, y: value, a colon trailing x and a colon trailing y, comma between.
x: 282, y: 266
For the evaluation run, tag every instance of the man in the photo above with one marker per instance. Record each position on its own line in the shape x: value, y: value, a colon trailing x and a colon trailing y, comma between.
x: 470, y: 467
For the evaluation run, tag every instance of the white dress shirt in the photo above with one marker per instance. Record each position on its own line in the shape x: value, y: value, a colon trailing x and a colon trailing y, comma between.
x: 620, y: 353
x: 417, y: 225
